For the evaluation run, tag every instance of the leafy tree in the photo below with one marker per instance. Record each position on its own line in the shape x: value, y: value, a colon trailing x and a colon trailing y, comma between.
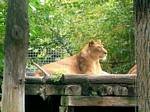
x: 69, y: 24
x: 77, y: 21
x: 3, y: 7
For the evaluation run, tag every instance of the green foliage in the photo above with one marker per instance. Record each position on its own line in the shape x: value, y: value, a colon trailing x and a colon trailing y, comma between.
x: 56, y: 78
x: 3, y: 7
x: 69, y: 24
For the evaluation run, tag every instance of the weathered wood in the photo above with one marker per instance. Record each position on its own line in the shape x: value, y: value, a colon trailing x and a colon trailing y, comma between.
x: 72, y: 90
x: 37, y: 89
x: 63, y: 90
x: 142, y: 42
x: 63, y: 109
x: 32, y: 89
x: 93, y: 90
x: 33, y: 80
x: 99, y: 79
x: 97, y: 101
x: 66, y: 109
x: 16, y: 44
x: 95, y: 79
x: 91, y: 85
x: 112, y: 90
x: 42, y: 80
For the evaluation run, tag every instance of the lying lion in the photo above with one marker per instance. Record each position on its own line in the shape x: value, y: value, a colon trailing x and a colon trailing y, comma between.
x: 85, y: 62
x: 133, y: 70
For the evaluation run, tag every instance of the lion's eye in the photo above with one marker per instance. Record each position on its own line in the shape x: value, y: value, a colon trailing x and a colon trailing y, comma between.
x: 99, y: 47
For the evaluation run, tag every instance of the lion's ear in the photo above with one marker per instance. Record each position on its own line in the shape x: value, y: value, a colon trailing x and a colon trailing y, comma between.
x: 91, y: 43
x: 100, y: 41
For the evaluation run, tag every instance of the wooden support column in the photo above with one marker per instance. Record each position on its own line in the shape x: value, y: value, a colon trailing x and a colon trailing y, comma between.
x: 142, y: 35
x: 16, y: 44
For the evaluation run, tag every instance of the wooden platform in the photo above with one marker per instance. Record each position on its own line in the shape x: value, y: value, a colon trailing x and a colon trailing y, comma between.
x: 83, y: 90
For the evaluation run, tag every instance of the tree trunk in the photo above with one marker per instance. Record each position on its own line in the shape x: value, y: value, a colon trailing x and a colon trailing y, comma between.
x: 16, y: 43
x: 142, y: 33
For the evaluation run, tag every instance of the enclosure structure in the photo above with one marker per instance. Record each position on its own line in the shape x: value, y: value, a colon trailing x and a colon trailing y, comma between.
x: 76, y: 93
x: 16, y: 46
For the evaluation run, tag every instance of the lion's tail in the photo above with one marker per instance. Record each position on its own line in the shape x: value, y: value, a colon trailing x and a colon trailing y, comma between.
x: 40, y: 72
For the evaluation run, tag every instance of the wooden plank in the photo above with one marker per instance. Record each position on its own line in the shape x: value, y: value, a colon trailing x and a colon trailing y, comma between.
x: 94, y: 79
x: 38, y: 89
x: 33, y: 80
x: 63, y: 90
x: 112, y: 90
x: 32, y: 89
x: 63, y: 109
x: 100, y: 79
x: 97, y: 101
x: 66, y: 109
x: 94, y: 89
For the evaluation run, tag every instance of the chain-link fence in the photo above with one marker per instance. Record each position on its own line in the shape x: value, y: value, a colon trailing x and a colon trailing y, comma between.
x: 43, y: 56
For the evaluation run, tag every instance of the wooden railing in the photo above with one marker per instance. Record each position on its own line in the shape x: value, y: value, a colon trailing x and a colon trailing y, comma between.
x: 85, y: 90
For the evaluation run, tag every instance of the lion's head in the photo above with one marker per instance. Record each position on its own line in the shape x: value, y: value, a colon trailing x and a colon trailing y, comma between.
x: 96, y: 50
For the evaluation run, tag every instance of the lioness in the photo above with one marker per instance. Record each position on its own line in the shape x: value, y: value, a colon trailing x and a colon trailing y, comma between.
x: 85, y: 62
x: 133, y: 70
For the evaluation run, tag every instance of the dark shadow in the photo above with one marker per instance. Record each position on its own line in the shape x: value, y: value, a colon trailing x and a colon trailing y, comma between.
x: 34, y: 103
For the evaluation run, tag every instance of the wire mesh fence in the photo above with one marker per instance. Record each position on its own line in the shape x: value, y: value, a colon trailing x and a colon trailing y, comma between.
x: 43, y: 56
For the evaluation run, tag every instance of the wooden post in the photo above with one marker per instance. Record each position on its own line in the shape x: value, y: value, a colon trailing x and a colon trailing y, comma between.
x: 16, y: 43
x: 142, y: 33
x: 66, y: 109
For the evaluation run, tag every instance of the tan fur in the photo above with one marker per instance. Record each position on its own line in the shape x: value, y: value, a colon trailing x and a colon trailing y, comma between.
x: 85, y: 62
x: 133, y: 70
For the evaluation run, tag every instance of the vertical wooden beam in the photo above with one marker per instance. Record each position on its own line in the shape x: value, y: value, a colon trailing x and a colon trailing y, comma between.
x: 16, y: 44
x: 142, y: 33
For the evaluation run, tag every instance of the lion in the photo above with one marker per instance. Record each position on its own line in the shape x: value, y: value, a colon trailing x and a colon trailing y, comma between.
x: 133, y: 70
x: 85, y: 62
